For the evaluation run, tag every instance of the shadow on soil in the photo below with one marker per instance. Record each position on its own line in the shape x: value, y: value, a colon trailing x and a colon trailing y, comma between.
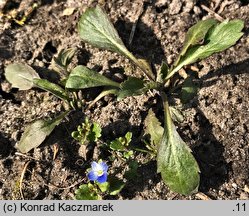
x: 209, y: 151
x: 206, y: 148
x: 144, y: 43
x: 234, y: 69
x: 5, y: 147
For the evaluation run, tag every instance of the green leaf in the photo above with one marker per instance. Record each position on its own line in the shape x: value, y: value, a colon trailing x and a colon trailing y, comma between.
x: 134, y: 86
x: 188, y: 91
x: 75, y: 135
x: 116, y: 185
x: 85, y: 193
x: 87, y: 131
x: 121, y: 143
x: 104, y: 186
x: 52, y: 88
x: 175, y: 162
x: 131, y: 87
x: 96, y: 29
x: 162, y: 73
x: 128, y: 154
x: 221, y: 37
x: 153, y: 128
x: 94, y: 133
x: 116, y: 145
x: 128, y: 137
x: 144, y: 65
x: 64, y: 57
x: 218, y: 38
x: 196, y: 34
x: 176, y: 114
x: 132, y: 173
x: 20, y: 75
x: 81, y: 77
x: 36, y: 132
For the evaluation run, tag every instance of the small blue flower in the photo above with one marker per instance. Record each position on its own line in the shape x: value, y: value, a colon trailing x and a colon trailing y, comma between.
x: 98, y: 172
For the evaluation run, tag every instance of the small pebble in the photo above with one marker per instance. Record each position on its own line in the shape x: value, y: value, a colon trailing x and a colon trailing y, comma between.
x: 244, y: 196
x: 175, y: 7
x: 6, y: 86
x: 234, y: 185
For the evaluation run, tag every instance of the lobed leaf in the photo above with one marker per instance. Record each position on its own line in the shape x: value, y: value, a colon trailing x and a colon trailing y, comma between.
x: 128, y: 154
x: 132, y: 172
x: 52, y: 88
x: 116, y: 145
x: 20, y: 75
x: 103, y: 186
x: 128, y: 137
x: 81, y: 77
x: 175, y: 162
x: 121, y: 143
x: 36, y: 133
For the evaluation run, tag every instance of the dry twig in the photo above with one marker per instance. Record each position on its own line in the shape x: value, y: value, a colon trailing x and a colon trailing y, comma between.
x: 21, y: 178
x: 134, y: 26
x: 217, y: 16
x: 202, y: 196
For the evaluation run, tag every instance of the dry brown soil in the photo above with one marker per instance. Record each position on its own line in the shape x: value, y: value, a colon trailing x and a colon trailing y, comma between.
x: 216, y: 120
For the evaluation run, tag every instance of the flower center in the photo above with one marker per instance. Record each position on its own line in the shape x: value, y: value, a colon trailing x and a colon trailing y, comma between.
x: 100, y: 172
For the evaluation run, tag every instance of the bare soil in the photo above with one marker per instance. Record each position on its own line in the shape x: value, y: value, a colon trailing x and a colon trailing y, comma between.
x: 216, y: 120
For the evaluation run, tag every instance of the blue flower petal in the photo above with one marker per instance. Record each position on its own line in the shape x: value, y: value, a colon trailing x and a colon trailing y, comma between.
x: 94, y: 166
x: 104, y: 166
x: 92, y: 176
x: 103, y: 178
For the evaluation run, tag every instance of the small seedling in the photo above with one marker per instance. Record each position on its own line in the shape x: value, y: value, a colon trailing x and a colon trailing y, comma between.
x: 87, y: 132
x: 121, y: 145
x: 13, y: 14
x: 178, y: 167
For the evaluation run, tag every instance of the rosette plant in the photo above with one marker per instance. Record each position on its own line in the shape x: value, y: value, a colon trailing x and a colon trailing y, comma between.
x: 175, y: 162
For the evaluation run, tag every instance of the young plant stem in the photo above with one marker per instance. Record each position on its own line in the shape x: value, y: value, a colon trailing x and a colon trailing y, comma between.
x: 101, y: 95
x: 173, y: 71
x: 168, y: 120
x: 125, y: 52
x: 148, y: 73
x: 143, y: 150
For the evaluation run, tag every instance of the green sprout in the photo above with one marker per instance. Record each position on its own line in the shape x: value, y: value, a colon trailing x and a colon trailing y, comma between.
x: 87, y: 132
x: 121, y: 145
